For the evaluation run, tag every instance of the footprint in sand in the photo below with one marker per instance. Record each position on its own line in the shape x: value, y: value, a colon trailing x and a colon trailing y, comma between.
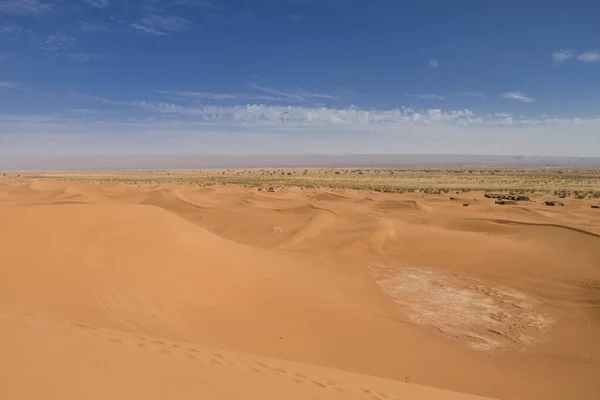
x: 213, y: 358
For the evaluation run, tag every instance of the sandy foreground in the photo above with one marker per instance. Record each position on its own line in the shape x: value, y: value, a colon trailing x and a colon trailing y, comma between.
x: 166, y: 291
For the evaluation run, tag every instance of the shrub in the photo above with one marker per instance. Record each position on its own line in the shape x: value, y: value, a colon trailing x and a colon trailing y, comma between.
x: 562, y: 193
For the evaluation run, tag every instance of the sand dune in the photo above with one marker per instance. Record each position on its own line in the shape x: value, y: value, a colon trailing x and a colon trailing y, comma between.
x: 96, y: 363
x: 316, y: 227
x: 175, y: 291
x: 327, y: 196
x: 402, y: 205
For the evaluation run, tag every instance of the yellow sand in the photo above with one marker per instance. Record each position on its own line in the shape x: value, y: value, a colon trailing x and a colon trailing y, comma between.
x: 165, y: 291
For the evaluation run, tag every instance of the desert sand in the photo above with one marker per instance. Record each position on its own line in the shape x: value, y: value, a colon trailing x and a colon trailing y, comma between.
x: 179, y: 291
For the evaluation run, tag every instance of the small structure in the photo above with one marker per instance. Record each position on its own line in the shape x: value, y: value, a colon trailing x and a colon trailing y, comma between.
x: 506, y: 202
x: 595, y: 206
x: 524, y: 198
x: 553, y: 203
x: 271, y: 189
x: 507, y: 197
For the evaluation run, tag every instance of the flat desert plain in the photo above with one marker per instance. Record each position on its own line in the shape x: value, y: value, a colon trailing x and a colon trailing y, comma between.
x: 157, y: 290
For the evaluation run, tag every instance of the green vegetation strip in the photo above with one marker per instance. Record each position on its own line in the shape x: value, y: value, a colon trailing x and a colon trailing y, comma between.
x: 578, y: 184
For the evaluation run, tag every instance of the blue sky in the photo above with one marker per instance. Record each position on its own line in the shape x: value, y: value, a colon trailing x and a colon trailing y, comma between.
x: 299, y: 76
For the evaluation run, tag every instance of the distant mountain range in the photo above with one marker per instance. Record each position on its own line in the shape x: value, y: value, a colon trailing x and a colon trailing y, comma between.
x: 294, y: 161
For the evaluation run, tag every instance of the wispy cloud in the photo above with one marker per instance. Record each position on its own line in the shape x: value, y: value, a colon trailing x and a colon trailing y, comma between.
x: 92, y: 27
x: 157, y: 25
x: 305, y: 94
x: 518, y: 96
x: 84, y: 111
x: 24, y: 7
x: 219, y: 96
x: 297, y: 94
x: 8, y: 85
x: 10, y: 31
x: 97, y: 3
x: 206, y: 4
x: 259, y: 93
x: 589, y: 57
x: 426, y: 96
x: 433, y: 63
x: 561, y: 56
x: 212, y: 96
x: 6, y: 56
x: 85, y: 57
x: 53, y: 42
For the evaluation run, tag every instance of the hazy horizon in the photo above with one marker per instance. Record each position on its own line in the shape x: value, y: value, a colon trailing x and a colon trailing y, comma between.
x: 33, y: 163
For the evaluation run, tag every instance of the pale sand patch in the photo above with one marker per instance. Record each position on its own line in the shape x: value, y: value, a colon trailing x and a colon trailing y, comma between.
x: 463, y: 308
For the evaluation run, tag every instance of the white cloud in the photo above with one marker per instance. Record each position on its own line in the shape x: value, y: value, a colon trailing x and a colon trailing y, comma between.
x: 426, y: 96
x: 256, y: 114
x: 87, y: 124
x: 6, y: 56
x: 7, y: 84
x: 157, y: 25
x: 163, y: 128
x: 85, y: 57
x: 518, y: 96
x: 290, y: 116
x: 24, y: 6
x: 589, y: 57
x: 97, y: 3
x: 433, y: 63
x: 561, y: 56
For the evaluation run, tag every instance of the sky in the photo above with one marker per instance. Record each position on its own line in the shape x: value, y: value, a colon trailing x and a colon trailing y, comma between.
x: 300, y: 77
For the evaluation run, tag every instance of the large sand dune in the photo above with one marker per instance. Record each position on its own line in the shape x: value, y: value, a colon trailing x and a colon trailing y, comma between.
x: 174, y: 291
